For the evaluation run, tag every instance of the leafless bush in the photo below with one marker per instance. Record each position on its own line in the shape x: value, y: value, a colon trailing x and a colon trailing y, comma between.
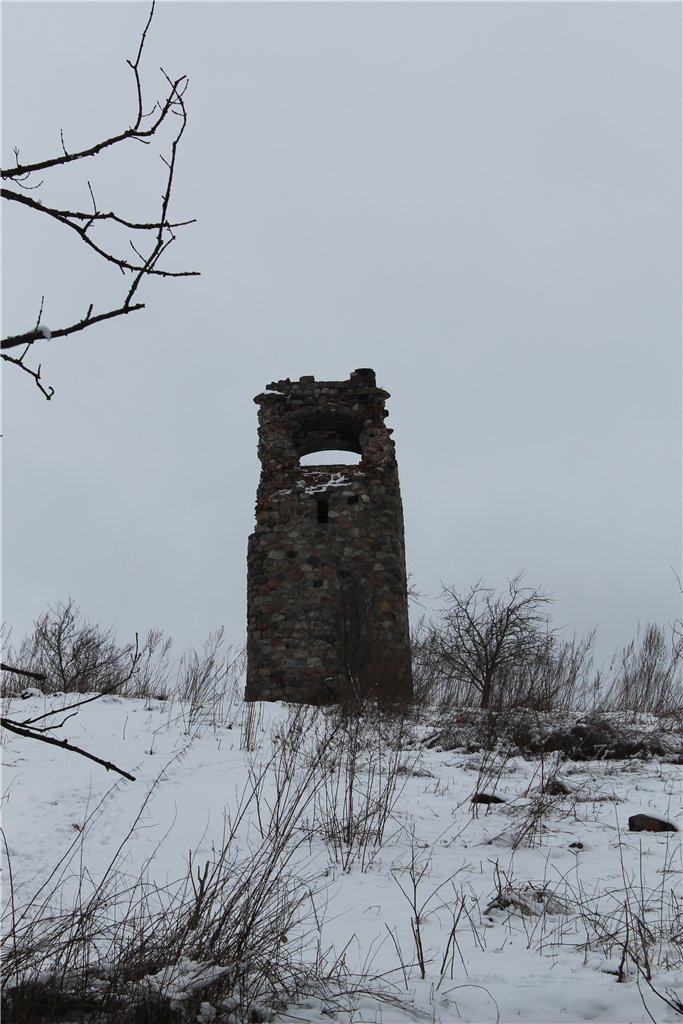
x: 499, y: 651
x: 648, y: 674
x: 72, y: 654
x: 451, y: 904
x: 152, y: 670
x: 409, y: 879
x: 208, y: 680
x: 252, y: 722
x: 67, y: 654
x: 485, y: 635
x: 362, y: 770
x: 638, y: 927
x: 557, y: 677
x: 431, y: 685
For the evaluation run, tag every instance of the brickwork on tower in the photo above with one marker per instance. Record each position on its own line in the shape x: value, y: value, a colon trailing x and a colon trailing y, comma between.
x: 327, y: 589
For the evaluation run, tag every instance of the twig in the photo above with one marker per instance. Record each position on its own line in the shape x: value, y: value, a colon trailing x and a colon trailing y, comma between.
x: 32, y: 734
x: 23, y: 672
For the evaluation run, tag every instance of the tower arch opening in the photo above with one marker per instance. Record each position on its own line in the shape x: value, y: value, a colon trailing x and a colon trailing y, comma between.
x: 328, y: 429
x: 331, y: 457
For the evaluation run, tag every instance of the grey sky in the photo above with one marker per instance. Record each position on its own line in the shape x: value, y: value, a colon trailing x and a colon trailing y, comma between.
x: 481, y: 201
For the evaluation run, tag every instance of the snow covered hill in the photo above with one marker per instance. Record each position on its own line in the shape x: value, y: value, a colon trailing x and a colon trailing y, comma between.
x: 293, y: 864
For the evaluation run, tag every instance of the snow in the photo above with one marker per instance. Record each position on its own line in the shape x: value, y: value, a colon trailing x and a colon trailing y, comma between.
x: 326, y: 479
x: 513, y: 903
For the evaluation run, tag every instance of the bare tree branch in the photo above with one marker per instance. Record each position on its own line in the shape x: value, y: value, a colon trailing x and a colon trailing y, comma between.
x: 40, y: 676
x: 36, y: 374
x: 80, y: 325
x: 33, y: 734
x: 66, y: 216
x: 160, y: 229
x: 136, y: 131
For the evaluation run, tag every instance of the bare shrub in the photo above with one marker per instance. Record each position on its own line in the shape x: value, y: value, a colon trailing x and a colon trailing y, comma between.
x: 638, y: 927
x: 499, y: 650
x: 648, y: 676
x: 485, y: 635
x: 556, y: 677
x: 74, y: 655
x: 67, y: 654
x: 208, y: 680
x: 152, y: 669
x: 362, y: 770
x: 431, y: 684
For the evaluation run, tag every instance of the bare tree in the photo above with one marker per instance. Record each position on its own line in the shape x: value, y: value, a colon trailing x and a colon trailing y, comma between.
x: 485, y: 639
x: 148, y: 239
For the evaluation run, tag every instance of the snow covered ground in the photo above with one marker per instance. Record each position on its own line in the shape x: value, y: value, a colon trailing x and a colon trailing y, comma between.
x: 416, y: 903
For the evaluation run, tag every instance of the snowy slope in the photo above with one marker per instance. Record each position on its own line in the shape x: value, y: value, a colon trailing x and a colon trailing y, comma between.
x: 522, y: 909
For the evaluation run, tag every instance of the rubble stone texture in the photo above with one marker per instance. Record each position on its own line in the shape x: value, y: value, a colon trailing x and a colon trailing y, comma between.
x: 327, y: 589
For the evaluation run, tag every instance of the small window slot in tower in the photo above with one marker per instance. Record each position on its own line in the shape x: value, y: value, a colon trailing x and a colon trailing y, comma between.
x: 322, y: 510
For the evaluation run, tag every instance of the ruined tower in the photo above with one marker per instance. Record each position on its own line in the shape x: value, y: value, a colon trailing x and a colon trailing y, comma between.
x: 327, y: 593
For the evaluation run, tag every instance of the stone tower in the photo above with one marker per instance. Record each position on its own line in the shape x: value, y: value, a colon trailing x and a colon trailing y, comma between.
x: 327, y: 593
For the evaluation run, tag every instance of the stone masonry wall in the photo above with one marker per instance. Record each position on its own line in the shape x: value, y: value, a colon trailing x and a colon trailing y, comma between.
x: 327, y: 589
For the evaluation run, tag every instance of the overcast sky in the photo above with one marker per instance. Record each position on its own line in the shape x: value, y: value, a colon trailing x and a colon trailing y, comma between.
x: 481, y: 201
